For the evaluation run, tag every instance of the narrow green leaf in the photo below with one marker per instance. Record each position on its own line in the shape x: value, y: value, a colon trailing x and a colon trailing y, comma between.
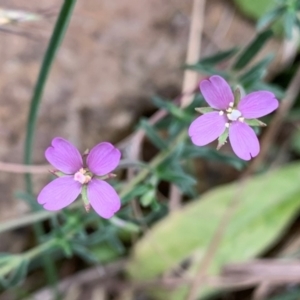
x: 65, y: 245
x: 57, y: 36
x: 255, y: 122
x: 85, y: 253
x: 257, y: 71
x: 124, y: 225
x: 223, y: 139
x: 277, y: 90
x: 103, y: 253
x: 204, y: 110
x: 248, y: 54
x: 148, y: 198
x: 116, y: 244
x: 237, y: 96
x: 30, y: 200
x: 153, y: 135
x: 4, y: 258
x: 214, y: 155
x: 293, y: 293
x: 171, y: 108
x: 184, y: 181
x: 210, y: 70
x: 218, y: 57
x: 55, y: 41
x: 289, y: 23
x: 17, y: 275
x: 295, y: 141
x: 136, y: 192
x: 267, y: 19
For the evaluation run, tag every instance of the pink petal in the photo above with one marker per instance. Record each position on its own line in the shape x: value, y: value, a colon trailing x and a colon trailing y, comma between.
x: 103, y: 198
x: 258, y: 104
x: 103, y: 159
x: 64, y: 156
x: 244, y: 141
x: 217, y: 92
x: 207, y: 128
x: 59, y: 193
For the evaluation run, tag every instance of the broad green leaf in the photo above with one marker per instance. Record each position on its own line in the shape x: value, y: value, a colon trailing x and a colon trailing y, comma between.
x: 268, y: 204
x: 250, y: 52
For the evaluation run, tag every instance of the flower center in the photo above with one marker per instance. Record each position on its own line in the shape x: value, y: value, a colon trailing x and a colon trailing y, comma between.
x: 81, y: 176
x: 234, y: 115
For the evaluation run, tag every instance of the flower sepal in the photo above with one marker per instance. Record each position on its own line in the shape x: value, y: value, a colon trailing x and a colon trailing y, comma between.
x: 57, y: 173
x: 237, y: 96
x: 204, y: 110
x: 223, y: 139
x: 108, y: 176
x: 255, y: 122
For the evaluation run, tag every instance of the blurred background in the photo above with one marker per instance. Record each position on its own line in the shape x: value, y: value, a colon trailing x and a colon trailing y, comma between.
x: 116, y: 55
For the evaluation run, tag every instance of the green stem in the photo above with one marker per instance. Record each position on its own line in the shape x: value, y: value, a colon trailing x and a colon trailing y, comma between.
x: 55, y: 41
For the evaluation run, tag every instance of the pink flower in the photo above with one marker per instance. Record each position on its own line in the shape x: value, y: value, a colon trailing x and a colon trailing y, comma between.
x: 230, y: 117
x: 75, y: 179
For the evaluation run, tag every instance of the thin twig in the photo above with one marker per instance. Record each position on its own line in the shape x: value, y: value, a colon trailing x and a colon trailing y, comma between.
x: 190, y: 78
x: 21, y: 169
x: 193, y: 51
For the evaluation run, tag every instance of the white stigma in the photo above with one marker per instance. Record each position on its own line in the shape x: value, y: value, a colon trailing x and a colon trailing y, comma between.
x: 221, y: 113
x: 234, y: 115
x: 227, y: 125
x: 231, y: 104
x: 79, y: 177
